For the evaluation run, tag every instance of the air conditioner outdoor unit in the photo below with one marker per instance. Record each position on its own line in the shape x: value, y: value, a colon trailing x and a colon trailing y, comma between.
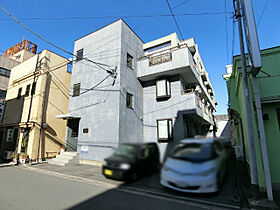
x: 8, y: 155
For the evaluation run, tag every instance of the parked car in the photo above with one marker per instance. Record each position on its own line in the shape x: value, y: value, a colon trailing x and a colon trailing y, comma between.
x: 195, y: 165
x: 131, y: 161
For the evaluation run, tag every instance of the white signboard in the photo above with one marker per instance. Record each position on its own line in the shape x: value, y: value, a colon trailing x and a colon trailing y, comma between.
x: 84, y: 149
x: 251, y: 33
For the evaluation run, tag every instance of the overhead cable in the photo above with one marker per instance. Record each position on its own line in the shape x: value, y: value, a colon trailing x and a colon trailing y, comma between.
x: 116, y: 17
x: 174, y: 19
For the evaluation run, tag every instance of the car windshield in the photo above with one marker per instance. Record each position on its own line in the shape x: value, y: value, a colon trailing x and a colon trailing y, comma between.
x: 195, y: 152
x: 126, y: 151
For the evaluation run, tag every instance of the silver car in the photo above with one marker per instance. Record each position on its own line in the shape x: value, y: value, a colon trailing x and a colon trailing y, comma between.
x: 195, y: 165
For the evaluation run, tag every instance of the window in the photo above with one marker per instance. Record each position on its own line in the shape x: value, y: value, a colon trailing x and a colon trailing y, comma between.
x: 129, y: 100
x: 129, y: 60
x: 27, y: 90
x: 278, y: 116
x: 10, y: 135
x: 33, y: 89
x: 76, y: 90
x: 19, y: 93
x: 164, y: 129
x: 80, y: 54
x: 163, y: 88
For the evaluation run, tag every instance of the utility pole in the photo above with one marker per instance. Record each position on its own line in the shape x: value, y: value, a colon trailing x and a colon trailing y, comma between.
x: 248, y: 110
x: 255, y: 60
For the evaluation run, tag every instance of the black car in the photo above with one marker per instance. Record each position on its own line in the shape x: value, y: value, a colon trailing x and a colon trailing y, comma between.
x: 131, y: 161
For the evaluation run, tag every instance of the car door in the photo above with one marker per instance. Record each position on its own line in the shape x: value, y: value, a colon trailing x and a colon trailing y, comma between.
x: 144, y: 162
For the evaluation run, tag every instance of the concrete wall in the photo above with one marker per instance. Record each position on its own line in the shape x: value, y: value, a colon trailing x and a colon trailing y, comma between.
x: 154, y: 110
x: 98, y: 110
x: 130, y: 121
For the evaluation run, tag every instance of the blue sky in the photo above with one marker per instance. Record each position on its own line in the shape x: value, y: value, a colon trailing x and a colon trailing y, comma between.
x: 209, y: 31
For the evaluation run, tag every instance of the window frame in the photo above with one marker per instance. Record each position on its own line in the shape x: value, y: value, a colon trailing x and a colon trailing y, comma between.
x: 131, y: 104
x: 79, y: 58
x: 128, y: 62
x: 168, y: 94
x: 169, y: 130
x: 75, y: 94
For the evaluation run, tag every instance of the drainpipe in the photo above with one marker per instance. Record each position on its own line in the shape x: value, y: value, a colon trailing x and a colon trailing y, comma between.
x: 262, y: 139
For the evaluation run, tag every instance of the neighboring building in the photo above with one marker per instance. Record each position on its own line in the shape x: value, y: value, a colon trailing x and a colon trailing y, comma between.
x: 38, y: 91
x: 6, y: 64
x: 223, y: 128
x: 268, y: 83
x: 162, y: 92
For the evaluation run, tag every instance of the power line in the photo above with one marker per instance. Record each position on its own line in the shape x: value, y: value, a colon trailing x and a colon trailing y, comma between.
x: 178, y: 5
x: 226, y: 23
x: 92, y: 88
x: 34, y: 32
x: 175, y: 19
x: 262, y: 12
x: 233, y: 39
x: 70, y: 53
x: 115, y: 17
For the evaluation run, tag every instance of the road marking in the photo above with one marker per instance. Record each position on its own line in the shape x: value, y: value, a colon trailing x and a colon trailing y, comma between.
x: 71, y: 177
x: 137, y: 191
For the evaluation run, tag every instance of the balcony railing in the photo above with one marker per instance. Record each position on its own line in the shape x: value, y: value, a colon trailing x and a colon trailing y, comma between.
x: 162, y: 58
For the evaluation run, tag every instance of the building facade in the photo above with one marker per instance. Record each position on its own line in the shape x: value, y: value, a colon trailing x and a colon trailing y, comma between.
x: 6, y: 64
x: 161, y: 92
x: 38, y: 90
x: 269, y: 89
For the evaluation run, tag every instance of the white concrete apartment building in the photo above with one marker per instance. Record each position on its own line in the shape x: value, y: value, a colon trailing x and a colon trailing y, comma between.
x: 162, y: 92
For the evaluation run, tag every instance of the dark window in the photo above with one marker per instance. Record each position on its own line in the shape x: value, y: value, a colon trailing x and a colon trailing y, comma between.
x: 80, y: 54
x: 33, y: 89
x: 76, y: 90
x: 129, y: 60
x: 5, y: 72
x: 164, y: 129
x: 129, y: 100
x: 278, y: 116
x: 85, y: 130
x: 19, y: 93
x: 27, y: 90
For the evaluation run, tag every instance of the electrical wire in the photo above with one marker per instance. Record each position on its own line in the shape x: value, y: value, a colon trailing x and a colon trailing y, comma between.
x: 174, y: 19
x: 178, y: 5
x: 233, y: 39
x: 42, y: 38
x: 115, y: 17
x: 262, y: 13
x: 96, y: 85
x: 226, y: 23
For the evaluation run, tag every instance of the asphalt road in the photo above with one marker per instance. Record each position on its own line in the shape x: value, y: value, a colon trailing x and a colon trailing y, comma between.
x: 26, y: 189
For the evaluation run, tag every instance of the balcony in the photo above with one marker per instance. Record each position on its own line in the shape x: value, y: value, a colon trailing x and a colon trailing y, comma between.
x: 168, y: 63
x: 197, y: 106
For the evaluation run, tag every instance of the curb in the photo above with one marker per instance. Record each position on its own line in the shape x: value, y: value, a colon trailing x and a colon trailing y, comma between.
x: 7, y: 165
